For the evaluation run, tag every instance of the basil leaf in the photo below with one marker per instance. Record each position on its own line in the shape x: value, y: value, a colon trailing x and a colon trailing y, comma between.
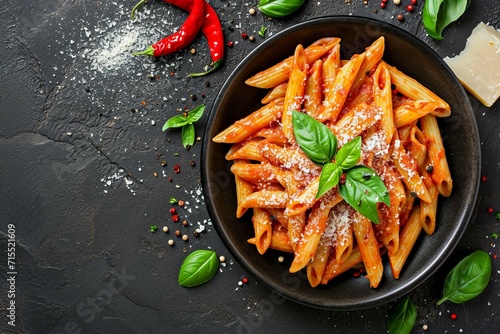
x: 402, y: 317
x: 363, y: 189
x: 314, y: 138
x: 438, y: 14
x: 279, y: 8
x: 175, y: 122
x: 430, y: 17
x: 329, y: 178
x: 196, y: 113
x: 349, y: 154
x: 468, y: 279
x: 198, y: 267
x: 188, y: 135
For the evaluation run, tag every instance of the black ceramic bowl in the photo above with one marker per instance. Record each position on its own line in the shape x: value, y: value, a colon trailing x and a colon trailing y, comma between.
x: 460, y: 136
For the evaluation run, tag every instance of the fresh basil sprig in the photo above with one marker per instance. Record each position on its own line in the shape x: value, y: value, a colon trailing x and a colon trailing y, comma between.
x: 186, y: 123
x: 362, y: 188
x: 402, y: 317
x: 468, y: 279
x: 279, y: 8
x: 438, y: 14
x: 198, y: 267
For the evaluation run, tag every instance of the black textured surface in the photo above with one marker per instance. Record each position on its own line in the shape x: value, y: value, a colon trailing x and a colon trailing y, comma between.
x: 81, y: 139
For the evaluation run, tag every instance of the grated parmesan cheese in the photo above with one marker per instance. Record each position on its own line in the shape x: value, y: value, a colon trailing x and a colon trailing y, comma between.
x: 477, y: 67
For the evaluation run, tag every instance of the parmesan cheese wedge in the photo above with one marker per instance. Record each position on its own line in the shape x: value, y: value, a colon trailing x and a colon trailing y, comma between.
x: 477, y: 67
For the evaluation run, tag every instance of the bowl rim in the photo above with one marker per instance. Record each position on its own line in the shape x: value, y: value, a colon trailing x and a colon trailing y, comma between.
x: 436, y: 262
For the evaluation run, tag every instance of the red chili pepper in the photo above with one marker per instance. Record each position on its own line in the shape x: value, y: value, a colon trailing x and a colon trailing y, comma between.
x: 211, y: 28
x: 182, y: 37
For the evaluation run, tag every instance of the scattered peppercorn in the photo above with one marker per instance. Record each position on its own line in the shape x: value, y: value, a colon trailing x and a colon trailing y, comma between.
x: 429, y: 168
x: 490, y: 210
x: 230, y: 44
x: 401, y: 18
x: 244, y: 280
x: 192, y: 163
x: 180, y: 203
x: 171, y: 242
x: 356, y: 274
x: 177, y: 233
x: 382, y: 5
x: 414, y: 2
x: 173, y: 211
x: 193, y: 51
x: 177, y: 168
x: 251, y: 11
x: 222, y: 258
x: 281, y: 258
x: 409, y: 8
x: 396, y: 2
x: 483, y: 178
x: 244, y: 35
x: 425, y: 327
x: 175, y: 218
x: 185, y: 237
x: 184, y: 223
x: 196, y: 234
x: 165, y: 229
x: 251, y: 38
x: 453, y: 316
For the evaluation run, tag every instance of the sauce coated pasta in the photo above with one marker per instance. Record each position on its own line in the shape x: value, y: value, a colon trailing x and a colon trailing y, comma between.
x: 277, y: 183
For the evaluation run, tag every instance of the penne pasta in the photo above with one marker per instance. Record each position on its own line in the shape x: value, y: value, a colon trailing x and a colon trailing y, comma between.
x: 314, y: 89
x: 277, y: 183
x: 369, y: 249
x: 436, y: 153
x: 408, y: 236
x: 280, y: 72
x: 414, y: 90
x: 252, y: 123
x: 294, y: 95
x: 263, y: 229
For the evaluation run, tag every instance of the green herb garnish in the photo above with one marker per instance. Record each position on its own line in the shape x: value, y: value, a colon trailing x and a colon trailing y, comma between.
x: 402, y: 317
x: 497, y: 215
x: 153, y: 228
x: 438, y: 14
x: 262, y: 31
x: 468, y: 279
x: 185, y: 122
x: 198, y: 267
x: 361, y: 187
x: 494, y: 235
x: 279, y: 8
x: 173, y: 200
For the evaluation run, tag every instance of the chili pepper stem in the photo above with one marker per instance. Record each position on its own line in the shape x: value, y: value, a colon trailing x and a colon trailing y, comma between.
x: 139, y: 4
x: 214, y: 65
x: 149, y: 51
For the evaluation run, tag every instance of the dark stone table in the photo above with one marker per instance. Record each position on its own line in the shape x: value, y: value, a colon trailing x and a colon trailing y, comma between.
x: 85, y: 170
